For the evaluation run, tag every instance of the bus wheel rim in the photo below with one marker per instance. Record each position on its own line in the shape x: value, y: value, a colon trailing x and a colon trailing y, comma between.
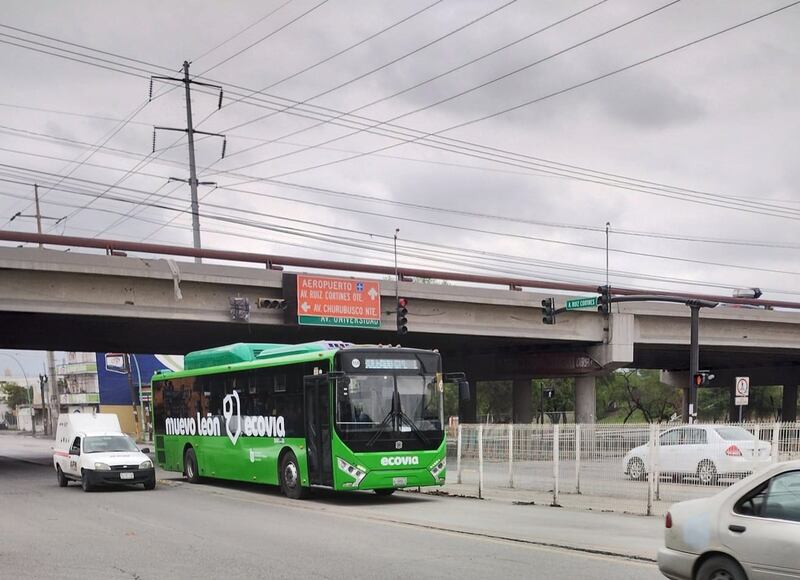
x: 290, y: 475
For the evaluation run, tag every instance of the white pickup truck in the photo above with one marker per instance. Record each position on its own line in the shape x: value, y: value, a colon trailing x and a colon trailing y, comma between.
x: 93, y: 450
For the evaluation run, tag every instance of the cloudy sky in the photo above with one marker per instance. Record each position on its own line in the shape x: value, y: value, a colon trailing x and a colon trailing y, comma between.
x: 496, y: 135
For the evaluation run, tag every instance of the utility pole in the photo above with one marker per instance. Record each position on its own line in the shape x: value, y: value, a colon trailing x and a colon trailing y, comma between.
x: 694, y: 362
x: 38, y: 211
x: 55, y: 394
x: 190, y: 132
x: 38, y: 215
x: 42, y: 382
x: 47, y: 403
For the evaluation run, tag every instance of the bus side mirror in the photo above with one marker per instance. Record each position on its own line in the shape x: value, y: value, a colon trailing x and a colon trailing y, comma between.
x: 463, y: 390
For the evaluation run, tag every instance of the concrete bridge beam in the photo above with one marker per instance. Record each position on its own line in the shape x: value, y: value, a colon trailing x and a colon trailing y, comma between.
x: 789, y: 403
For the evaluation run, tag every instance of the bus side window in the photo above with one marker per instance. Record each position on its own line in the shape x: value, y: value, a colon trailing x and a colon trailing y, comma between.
x: 215, y: 386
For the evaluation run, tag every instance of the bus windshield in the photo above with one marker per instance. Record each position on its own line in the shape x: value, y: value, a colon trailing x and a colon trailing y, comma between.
x: 370, y: 403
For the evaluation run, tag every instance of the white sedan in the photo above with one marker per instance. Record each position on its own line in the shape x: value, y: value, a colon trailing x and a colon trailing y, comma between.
x: 705, y: 451
x: 749, y: 531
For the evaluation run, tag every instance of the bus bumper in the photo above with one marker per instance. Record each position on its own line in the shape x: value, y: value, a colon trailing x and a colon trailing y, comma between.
x: 399, y: 478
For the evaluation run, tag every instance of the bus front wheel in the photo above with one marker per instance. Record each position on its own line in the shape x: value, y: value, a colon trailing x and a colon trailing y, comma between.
x: 291, y: 486
x: 190, y: 466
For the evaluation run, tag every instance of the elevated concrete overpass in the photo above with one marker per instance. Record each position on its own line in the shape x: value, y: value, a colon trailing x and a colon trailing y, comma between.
x: 51, y: 299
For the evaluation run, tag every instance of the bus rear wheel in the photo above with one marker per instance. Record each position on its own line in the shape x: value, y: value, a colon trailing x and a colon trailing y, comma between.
x: 190, y: 466
x: 289, y: 477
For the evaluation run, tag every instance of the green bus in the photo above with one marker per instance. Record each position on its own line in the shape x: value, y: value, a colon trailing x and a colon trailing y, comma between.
x: 326, y: 414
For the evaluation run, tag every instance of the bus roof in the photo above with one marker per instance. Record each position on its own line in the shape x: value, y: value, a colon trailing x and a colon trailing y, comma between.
x: 249, y: 352
x: 244, y: 355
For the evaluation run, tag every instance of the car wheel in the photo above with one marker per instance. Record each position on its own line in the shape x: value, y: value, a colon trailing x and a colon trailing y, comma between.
x: 150, y: 484
x: 636, y: 470
x: 62, y: 479
x: 85, y: 482
x: 720, y: 568
x: 385, y: 492
x: 290, y: 478
x: 707, y: 472
x: 190, y: 466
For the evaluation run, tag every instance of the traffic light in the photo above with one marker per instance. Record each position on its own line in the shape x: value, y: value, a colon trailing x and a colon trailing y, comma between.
x: 549, y: 311
x: 604, y: 300
x: 271, y: 304
x: 402, y: 316
x: 702, y: 379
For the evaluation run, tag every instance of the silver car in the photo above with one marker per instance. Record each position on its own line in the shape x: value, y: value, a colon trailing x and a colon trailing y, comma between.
x: 750, y: 531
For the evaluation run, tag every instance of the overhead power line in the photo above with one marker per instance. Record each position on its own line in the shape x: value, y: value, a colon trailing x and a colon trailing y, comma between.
x: 431, y: 255
x: 544, y: 97
x: 426, y: 207
x: 241, y: 31
x: 459, y: 227
x: 678, y: 195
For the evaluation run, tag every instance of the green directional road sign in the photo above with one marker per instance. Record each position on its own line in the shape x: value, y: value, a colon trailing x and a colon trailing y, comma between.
x: 338, y: 321
x: 577, y: 303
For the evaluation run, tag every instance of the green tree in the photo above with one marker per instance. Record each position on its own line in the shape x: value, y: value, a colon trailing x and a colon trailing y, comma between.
x: 632, y: 392
x: 14, y: 394
x: 495, y: 400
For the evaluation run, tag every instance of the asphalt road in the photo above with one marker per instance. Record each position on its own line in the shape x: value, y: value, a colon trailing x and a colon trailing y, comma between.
x: 239, y: 530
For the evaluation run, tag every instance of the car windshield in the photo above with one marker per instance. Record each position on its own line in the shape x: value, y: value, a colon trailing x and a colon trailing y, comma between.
x: 106, y: 443
x: 734, y: 433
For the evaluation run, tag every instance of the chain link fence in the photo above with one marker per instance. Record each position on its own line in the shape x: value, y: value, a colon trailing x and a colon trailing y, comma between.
x: 639, y: 469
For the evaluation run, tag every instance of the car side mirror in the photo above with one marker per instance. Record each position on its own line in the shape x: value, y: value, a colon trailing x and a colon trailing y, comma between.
x: 146, y: 450
x: 463, y: 390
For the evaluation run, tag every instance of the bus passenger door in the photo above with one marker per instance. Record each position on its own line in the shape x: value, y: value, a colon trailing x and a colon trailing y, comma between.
x: 318, y: 429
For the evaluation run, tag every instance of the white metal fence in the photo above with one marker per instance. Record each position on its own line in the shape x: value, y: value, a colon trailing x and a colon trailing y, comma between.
x: 639, y: 469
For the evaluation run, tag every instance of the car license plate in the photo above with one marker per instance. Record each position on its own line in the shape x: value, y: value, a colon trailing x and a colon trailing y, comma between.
x: 126, y: 475
x: 399, y: 481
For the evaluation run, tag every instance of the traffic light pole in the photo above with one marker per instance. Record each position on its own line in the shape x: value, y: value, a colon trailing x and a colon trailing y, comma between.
x: 690, y: 409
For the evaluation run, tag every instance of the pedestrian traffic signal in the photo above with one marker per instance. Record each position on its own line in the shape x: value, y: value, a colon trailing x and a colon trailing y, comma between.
x: 549, y: 311
x: 604, y: 300
x: 702, y: 379
x: 402, y: 316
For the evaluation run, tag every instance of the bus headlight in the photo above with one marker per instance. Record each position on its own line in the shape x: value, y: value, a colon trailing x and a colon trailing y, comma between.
x: 438, y: 468
x: 354, y: 472
x: 102, y: 467
x: 146, y: 464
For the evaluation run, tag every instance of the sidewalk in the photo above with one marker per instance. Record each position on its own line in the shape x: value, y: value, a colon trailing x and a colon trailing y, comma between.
x: 567, y: 500
x: 617, y: 534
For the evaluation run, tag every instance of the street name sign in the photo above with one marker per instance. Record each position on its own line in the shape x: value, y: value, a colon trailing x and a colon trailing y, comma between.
x: 585, y: 302
x: 328, y: 301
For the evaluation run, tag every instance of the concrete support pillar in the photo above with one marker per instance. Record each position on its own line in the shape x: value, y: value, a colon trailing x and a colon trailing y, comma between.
x: 522, y: 401
x: 733, y: 410
x: 468, y: 410
x: 789, y: 407
x: 585, y: 400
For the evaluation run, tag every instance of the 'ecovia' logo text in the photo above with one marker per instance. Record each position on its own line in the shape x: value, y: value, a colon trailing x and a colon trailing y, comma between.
x: 386, y: 461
